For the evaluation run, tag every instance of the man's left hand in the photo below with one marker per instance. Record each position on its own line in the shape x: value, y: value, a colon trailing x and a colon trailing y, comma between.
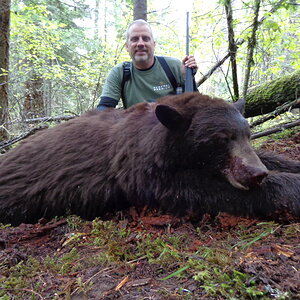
x: 190, y: 62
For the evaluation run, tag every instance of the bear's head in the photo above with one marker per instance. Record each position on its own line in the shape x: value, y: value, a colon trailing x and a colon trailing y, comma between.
x: 213, y: 135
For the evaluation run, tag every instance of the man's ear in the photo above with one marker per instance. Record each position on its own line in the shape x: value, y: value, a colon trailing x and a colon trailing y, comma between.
x: 171, y: 118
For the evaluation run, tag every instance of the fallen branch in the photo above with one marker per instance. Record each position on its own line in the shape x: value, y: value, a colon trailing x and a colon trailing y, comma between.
x: 44, y: 119
x: 8, y: 143
x: 276, y: 129
x: 279, y: 110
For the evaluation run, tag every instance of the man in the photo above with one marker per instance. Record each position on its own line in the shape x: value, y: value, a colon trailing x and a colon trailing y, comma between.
x: 149, y: 79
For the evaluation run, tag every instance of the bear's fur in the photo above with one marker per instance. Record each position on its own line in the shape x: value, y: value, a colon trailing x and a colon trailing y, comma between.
x: 185, y: 153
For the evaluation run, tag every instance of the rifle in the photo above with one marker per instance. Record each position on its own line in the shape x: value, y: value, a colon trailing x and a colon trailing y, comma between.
x: 189, y: 86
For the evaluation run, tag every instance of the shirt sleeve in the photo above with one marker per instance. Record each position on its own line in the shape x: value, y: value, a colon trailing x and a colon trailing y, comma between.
x: 111, y: 92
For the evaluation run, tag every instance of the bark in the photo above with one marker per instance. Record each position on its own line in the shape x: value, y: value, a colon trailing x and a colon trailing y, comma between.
x: 34, y: 98
x: 4, y: 64
x: 268, y: 96
x: 251, y: 47
x: 232, y: 48
x: 140, y: 9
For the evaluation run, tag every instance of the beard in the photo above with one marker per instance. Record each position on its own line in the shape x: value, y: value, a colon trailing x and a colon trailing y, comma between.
x: 138, y: 57
x: 141, y: 58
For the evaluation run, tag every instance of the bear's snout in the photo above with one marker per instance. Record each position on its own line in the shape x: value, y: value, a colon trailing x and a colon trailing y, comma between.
x: 242, y: 175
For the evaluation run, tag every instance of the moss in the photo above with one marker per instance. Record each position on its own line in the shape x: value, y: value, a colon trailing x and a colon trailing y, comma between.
x: 214, y: 262
x: 268, y: 96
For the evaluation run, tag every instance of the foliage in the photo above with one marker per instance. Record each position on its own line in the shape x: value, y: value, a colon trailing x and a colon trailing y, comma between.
x: 276, y: 53
x: 47, y: 43
x: 72, y: 47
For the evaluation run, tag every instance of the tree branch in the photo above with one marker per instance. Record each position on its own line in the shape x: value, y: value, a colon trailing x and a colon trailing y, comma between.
x: 217, y: 65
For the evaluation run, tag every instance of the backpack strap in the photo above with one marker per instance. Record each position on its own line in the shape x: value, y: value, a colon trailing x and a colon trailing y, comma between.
x: 126, y: 77
x: 168, y: 72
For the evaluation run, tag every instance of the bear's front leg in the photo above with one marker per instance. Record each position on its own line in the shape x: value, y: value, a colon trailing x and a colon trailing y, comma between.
x: 277, y: 162
x: 283, y: 191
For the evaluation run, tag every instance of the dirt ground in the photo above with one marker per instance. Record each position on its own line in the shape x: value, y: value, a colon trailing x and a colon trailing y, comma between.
x: 143, y: 255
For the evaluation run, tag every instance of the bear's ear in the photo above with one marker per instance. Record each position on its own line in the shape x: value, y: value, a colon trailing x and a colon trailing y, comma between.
x: 171, y: 118
x: 240, y: 105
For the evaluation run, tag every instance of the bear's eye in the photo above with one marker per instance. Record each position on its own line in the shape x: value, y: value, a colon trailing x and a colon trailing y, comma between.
x: 233, y: 137
x: 227, y: 136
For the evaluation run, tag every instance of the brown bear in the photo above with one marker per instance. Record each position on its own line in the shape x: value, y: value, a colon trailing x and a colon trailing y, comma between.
x: 185, y: 153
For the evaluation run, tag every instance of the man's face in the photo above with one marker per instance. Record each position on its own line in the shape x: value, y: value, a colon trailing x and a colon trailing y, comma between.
x: 140, y: 44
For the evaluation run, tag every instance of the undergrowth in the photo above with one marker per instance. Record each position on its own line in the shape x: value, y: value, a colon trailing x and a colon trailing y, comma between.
x: 215, y: 263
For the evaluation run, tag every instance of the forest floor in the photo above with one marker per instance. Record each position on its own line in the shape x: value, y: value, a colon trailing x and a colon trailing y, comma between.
x: 142, y: 255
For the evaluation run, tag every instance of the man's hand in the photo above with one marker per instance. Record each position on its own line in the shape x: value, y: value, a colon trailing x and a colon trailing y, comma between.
x: 190, y: 62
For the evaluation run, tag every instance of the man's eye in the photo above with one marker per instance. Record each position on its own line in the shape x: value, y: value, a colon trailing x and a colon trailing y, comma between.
x: 146, y: 39
x: 134, y: 39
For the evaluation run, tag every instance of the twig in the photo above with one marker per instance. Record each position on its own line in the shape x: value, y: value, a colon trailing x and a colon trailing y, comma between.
x: 122, y: 283
x: 103, y: 271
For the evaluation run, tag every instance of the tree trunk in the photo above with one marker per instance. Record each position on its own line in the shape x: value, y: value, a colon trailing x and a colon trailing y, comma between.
x: 4, y: 65
x: 251, y: 47
x: 96, y: 22
x: 105, y: 26
x: 140, y: 9
x: 232, y: 49
x: 266, y: 97
x: 34, y: 98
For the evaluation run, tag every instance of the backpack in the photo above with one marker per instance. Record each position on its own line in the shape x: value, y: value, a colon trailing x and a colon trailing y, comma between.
x: 127, y: 75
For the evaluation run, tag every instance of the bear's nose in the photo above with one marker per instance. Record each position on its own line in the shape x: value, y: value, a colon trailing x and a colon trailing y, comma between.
x: 250, y: 176
x: 256, y: 176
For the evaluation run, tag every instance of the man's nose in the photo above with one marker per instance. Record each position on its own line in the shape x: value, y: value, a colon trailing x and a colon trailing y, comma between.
x: 140, y: 42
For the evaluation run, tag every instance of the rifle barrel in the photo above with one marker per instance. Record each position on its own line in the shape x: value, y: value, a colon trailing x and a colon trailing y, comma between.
x: 188, y: 71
